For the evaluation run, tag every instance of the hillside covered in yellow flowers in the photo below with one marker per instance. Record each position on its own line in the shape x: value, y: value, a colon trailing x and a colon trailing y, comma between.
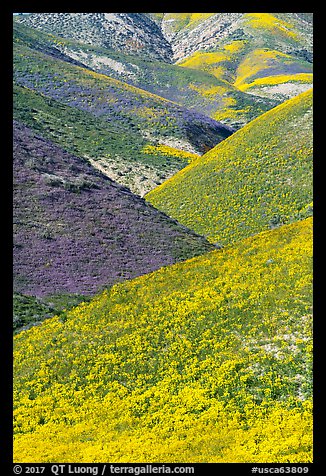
x: 204, y: 361
x: 258, y: 178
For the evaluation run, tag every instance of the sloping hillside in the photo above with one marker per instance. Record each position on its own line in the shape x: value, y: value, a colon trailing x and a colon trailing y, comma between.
x: 119, y: 119
x: 31, y: 311
x: 133, y: 33
x: 191, y: 32
x: 76, y: 231
x: 260, y: 72
x: 182, y: 333
x: 205, y: 361
x: 259, y: 178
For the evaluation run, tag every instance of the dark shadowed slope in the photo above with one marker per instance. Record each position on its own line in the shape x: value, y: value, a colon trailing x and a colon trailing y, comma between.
x: 77, y: 231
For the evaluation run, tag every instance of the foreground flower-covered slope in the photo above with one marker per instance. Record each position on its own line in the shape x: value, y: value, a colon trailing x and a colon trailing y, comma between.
x: 204, y: 361
x: 258, y: 178
x: 76, y: 231
x: 108, y: 121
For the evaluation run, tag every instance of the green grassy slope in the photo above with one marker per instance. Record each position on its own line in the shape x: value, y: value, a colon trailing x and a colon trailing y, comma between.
x: 31, y: 310
x: 257, y: 179
x: 208, y: 360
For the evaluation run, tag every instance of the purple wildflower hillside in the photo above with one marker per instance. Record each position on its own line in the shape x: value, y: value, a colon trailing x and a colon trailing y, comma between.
x: 77, y: 231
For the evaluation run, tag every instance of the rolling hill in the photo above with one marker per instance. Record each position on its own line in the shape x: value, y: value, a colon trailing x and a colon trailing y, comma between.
x: 230, y: 66
x: 120, y: 128
x: 76, y: 231
x: 132, y: 33
x: 192, y: 32
x: 260, y: 72
x: 208, y: 360
x: 259, y: 178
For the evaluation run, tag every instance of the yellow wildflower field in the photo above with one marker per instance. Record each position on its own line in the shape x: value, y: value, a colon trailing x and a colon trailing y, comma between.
x: 208, y: 360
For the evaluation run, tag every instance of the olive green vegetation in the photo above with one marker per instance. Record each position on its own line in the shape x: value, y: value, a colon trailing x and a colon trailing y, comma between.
x: 258, y: 178
x: 31, y: 310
